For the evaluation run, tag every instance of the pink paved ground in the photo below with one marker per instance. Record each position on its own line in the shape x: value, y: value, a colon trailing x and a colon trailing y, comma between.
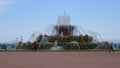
x: 59, y: 60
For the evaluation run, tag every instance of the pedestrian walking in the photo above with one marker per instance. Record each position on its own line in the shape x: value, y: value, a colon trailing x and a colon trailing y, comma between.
x: 111, y: 47
x: 106, y: 46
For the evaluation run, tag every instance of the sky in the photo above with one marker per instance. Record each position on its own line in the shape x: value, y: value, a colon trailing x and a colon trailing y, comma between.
x: 24, y: 17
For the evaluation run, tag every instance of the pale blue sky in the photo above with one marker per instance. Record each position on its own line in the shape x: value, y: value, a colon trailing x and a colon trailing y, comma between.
x: 23, y: 17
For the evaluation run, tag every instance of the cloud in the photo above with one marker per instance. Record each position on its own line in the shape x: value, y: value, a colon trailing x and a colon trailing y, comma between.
x: 5, y: 3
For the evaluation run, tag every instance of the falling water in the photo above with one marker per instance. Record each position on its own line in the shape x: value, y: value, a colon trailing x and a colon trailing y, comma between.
x: 44, y: 40
x: 75, y: 43
x: 117, y: 46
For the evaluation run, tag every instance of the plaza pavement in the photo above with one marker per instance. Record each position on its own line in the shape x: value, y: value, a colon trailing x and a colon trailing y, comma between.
x: 59, y: 60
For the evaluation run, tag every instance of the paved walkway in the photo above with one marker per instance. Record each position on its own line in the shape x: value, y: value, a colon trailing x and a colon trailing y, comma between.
x: 59, y: 60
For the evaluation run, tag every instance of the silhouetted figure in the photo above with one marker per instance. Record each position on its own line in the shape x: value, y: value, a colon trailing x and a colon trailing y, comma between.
x: 111, y: 45
x: 33, y: 47
x: 106, y: 46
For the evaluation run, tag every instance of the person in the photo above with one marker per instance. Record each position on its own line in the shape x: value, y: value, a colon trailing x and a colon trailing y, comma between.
x: 111, y: 45
x: 33, y: 47
x: 106, y: 46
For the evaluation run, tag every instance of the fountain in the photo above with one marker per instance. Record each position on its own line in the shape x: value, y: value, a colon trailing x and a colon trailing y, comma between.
x: 64, y: 33
x: 56, y: 47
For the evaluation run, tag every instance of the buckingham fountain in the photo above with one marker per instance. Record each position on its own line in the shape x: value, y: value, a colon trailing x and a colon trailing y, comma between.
x: 62, y: 35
